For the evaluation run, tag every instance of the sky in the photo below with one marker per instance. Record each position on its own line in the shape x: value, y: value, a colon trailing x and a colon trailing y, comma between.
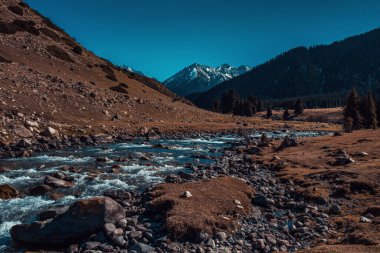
x: 161, y: 37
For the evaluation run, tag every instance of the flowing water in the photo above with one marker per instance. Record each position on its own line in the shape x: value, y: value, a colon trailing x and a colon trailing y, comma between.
x: 171, y: 156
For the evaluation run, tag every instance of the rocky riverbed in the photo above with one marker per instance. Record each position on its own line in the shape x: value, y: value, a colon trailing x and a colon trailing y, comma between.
x: 280, y: 219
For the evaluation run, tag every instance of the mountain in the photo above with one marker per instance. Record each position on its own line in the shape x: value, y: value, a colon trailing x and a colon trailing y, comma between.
x: 199, y: 78
x: 310, y: 72
x: 49, y: 78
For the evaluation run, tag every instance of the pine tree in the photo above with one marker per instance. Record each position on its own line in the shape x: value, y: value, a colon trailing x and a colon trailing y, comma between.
x: 298, y: 107
x: 286, y: 114
x: 259, y: 105
x: 269, y: 111
x: 216, y: 106
x: 352, y: 110
x: 371, y: 117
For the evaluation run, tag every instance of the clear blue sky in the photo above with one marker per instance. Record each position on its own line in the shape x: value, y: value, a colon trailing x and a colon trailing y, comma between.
x: 161, y: 37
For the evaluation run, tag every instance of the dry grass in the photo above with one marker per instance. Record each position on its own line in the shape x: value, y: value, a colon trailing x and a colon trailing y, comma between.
x: 343, y: 249
x: 212, y: 207
x: 310, y: 169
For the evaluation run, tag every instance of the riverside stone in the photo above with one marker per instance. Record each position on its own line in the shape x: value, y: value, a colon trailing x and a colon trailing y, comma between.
x: 84, y: 218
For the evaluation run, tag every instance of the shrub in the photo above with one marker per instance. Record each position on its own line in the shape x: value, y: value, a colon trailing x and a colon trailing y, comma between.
x: 23, y: 4
x: 110, y: 74
x: 16, y: 9
x: 69, y: 42
x: 119, y: 89
x: 51, y: 34
x: 59, y: 53
x: 77, y: 50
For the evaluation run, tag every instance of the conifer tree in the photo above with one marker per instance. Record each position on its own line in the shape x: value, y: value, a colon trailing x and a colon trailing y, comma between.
x: 352, y: 110
x: 269, y: 111
x: 286, y: 114
x: 298, y: 107
x: 216, y: 106
x: 371, y: 117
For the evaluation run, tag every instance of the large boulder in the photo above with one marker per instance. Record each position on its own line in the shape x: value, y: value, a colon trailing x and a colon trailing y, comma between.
x: 8, y: 192
x: 84, y: 218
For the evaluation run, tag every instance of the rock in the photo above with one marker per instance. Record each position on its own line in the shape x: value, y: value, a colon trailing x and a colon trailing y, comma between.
x: 365, y: 220
x: 102, y: 159
x: 142, y: 248
x: 8, y: 192
x: 135, y: 235
x: 84, y: 218
x: 335, y: 209
x: 288, y: 142
x: 221, y: 236
x: 264, y: 141
x: 211, y: 243
x: 339, y: 161
x: 50, y: 132
x: 91, y: 245
x: 109, y: 228
x: 23, y: 132
x: 40, y: 190
x: 123, y: 223
x: 52, y: 212
x: 255, y: 151
x: 342, y: 158
x: 24, y: 143
x: 186, y: 194
x: 261, y: 201
x: 57, y: 183
x: 29, y: 123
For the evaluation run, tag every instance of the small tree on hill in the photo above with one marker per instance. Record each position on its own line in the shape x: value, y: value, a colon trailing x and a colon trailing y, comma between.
x: 216, y: 106
x: 286, y: 114
x: 352, y: 110
x: 269, y: 111
x: 298, y: 107
x: 259, y: 105
x: 371, y: 117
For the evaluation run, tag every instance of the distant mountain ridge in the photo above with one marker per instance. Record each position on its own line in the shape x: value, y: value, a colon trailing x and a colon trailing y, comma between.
x: 314, y: 71
x: 199, y: 78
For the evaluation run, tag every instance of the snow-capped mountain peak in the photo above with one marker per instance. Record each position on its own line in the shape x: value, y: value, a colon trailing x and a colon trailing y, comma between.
x: 199, y: 78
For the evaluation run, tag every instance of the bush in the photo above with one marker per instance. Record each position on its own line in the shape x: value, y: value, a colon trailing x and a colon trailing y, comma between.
x: 110, y: 74
x: 78, y: 50
x: 119, y: 89
x: 16, y: 9
x: 59, y: 53
x: 23, y: 4
x: 69, y: 42
x: 51, y: 34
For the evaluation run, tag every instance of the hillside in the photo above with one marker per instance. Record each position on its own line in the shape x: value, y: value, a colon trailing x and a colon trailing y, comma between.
x: 48, y: 77
x: 199, y: 78
x: 315, y: 71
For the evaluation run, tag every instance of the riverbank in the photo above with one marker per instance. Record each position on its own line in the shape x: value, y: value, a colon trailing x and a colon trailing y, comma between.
x: 287, y: 212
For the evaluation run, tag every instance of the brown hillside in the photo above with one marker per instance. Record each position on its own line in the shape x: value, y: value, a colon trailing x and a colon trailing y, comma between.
x: 47, y: 77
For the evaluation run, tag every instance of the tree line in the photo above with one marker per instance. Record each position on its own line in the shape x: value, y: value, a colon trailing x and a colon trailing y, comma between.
x: 230, y: 102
